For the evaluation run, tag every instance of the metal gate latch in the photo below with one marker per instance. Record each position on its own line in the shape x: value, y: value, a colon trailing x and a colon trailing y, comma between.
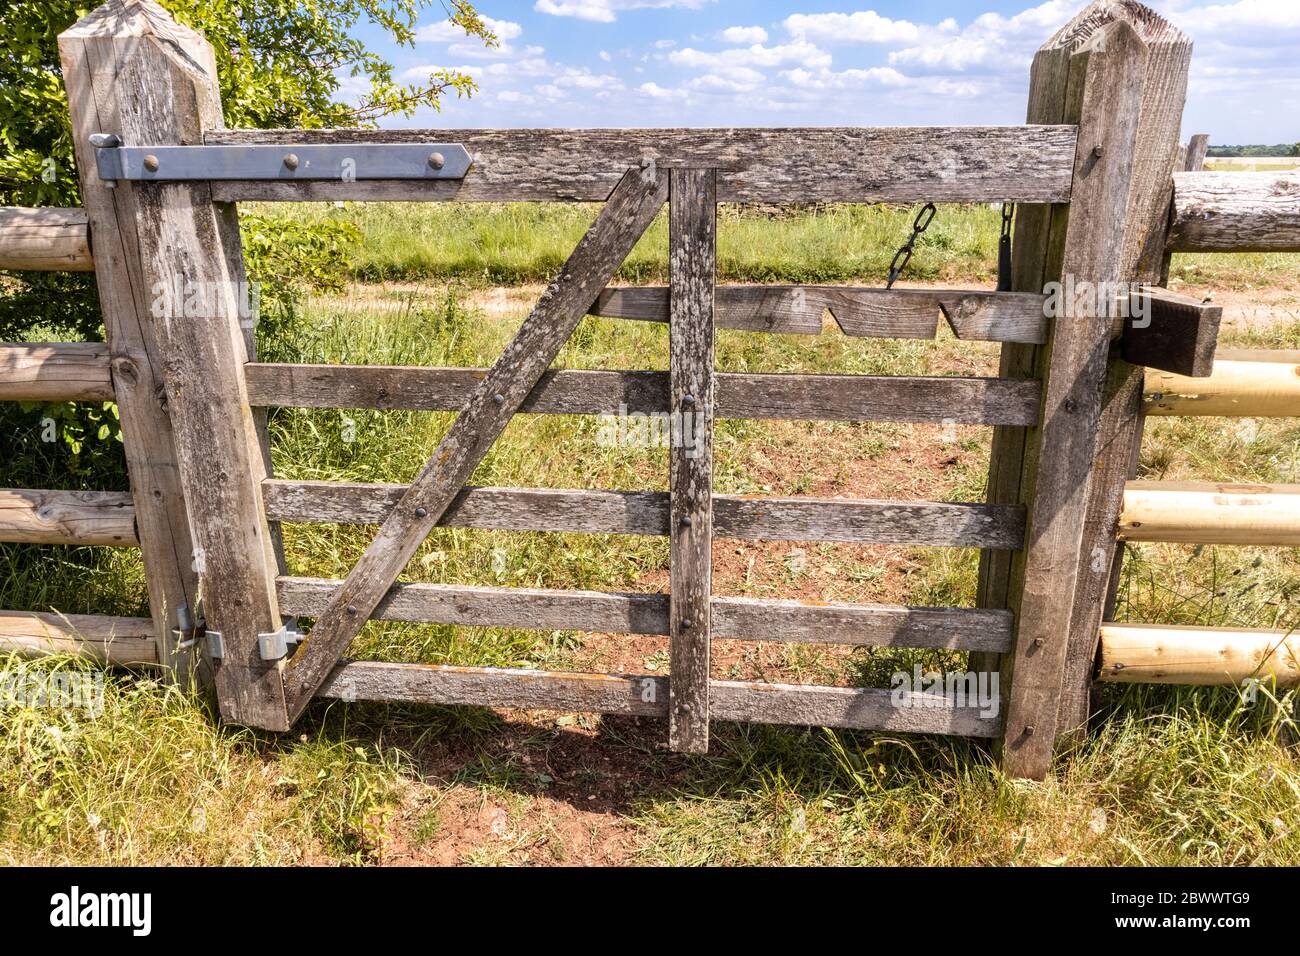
x: 275, y: 645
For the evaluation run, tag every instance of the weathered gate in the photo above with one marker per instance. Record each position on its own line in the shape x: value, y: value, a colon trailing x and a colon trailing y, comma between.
x: 160, y: 184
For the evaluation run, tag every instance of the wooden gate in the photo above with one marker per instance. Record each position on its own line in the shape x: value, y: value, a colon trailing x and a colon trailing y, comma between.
x: 1092, y: 188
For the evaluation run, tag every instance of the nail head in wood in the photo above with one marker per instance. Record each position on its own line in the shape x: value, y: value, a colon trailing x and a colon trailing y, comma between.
x: 151, y: 163
x: 422, y: 512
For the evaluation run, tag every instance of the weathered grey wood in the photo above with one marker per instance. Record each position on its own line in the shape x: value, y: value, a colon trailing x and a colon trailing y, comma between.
x: 102, y: 57
x: 1111, y: 67
x: 749, y: 619
x: 1197, y: 146
x: 874, y: 312
x: 647, y: 696
x: 1181, y: 334
x: 1119, y: 433
x: 827, y: 164
x: 929, y: 523
x: 486, y: 411
x: 55, y: 372
x: 692, y: 256
x: 67, y: 517
x: 894, y: 398
x: 1236, y: 212
x: 163, y: 83
x: 109, y: 640
x: 47, y: 239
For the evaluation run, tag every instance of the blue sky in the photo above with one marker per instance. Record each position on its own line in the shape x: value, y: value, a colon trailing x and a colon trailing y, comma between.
x: 822, y: 62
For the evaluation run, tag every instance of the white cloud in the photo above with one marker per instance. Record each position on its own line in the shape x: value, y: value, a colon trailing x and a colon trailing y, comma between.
x: 606, y: 11
x: 844, y: 79
x: 665, y: 44
x: 797, y: 53
x: 1259, y: 17
x: 660, y: 93
x: 448, y: 32
x: 864, y: 26
x: 744, y: 35
x: 991, y: 41
x: 604, y: 55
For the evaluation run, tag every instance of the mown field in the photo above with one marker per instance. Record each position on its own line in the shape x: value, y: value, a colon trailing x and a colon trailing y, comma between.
x: 1165, y: 775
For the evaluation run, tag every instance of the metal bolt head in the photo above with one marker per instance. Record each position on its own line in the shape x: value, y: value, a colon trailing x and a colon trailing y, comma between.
x: 436, y: 160
x: 1029, y: 730
x: 422, y: 512
x: 351, y: 609
x: 686, y: 623
x: 1099, y: 151
x: 151, y: 163
x: 499, y: 398
x: 291, y: 161
x: 688, y: 400
x: 1039, y: 642
x: 686, y: 521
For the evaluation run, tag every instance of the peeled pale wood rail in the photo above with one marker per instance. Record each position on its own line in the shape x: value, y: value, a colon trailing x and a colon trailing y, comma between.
x: 647, y: 696
x: 892, y: 398
x: 1168, y: 654
x: 55, y: 372
x: 1210, y: 513
x: 934, y: 523
x: 67, y: 517
x: 112, y: 640
x: 879, y: 313
x: 750, y: 619
x: 822, y: 164
x: 46, y: 239
x: 1243, y: 384
x: 1236, y: 212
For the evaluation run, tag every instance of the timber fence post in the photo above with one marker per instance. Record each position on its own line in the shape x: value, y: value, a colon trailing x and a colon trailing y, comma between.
x: 171, y: 272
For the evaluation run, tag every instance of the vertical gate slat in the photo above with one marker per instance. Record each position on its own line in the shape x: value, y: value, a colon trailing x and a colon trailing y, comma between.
x: 692, y: 239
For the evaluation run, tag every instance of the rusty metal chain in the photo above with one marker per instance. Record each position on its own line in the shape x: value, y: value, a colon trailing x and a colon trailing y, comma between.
x: 904, y: 254
x: 1004, y: 247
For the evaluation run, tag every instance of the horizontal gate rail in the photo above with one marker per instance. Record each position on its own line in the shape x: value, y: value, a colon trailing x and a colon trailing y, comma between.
x: 866, y: 312
x: 750, y: 619
x: 864, y: 521
x: 1032, y: 164
x: 647, y: 696
x: 884, y: 398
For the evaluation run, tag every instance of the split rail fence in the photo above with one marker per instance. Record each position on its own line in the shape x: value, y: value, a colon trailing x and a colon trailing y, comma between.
x: 1090, y: 173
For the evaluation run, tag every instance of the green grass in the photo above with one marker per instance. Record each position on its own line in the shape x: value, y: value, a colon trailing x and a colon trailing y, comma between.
x: 1166, y: 776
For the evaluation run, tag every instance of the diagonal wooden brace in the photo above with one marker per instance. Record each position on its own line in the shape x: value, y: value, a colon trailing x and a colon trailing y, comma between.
x: 630, y: 209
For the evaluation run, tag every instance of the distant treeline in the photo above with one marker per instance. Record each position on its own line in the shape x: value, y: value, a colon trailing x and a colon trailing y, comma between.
x: 1283, y: 149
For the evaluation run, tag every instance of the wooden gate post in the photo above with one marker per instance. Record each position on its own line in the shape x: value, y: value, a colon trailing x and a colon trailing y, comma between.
x: 170, y: 260
x: 1051, y: 471
x: 137, y: 358
x: 1119, y: 436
